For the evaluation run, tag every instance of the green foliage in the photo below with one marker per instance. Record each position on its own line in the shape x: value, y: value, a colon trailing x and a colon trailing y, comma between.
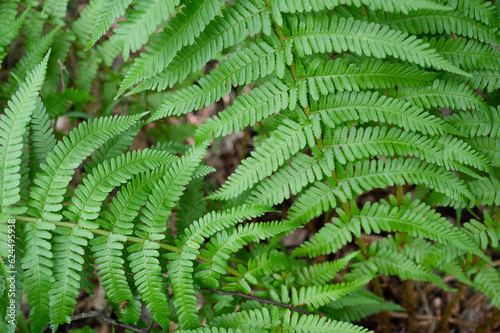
x: 359, y: 116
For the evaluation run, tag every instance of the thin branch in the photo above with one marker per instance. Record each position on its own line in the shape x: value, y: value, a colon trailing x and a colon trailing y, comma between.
x: 261, y: 300
x: 101, y: 314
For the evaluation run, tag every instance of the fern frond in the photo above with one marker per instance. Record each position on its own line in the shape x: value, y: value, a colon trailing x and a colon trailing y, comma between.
x: 403, y: 6
x: 448, y: 94
x: 388, y: 261
x: 470, y: 124
x: 86, y: 19
x: 56, y: 9
x: 480, y: 10
x: 223, y: 244
x: 360, y: 143
x: 439, y: 22
x: 323, y: 273
x: 108, y: 249
x: 114, y: 147
x: 366, y: 106
x: 269, y: 98
x: 488, y: 280
x: 236, y: 21
x: 67, y: 155
x: 143, y: 257
x: 367, y: 175
x: 285, y: 142
x: 458, y: 150
x: 358, y: 305
x: 320, y: 34
x: 109, y: 11
x: 192, y: 205
x: 13, y: 126
x: 29, y: 60
x: 240, y: 68
x: 481, y: 79
x: 340, y: 75
x: 291, y: 178
x: 87, y: 202
x: 181, y: 267
x: 317, y: 296
x: 488, y: 147
x: 9, y: 30
x: 467, y: 53
x: 182, y: 30
x: 142, y: 22
x: 42, y: 139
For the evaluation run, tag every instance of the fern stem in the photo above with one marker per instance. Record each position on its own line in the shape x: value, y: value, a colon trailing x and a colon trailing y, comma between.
x: 443, y: 323
x: 132, y: 239
x: 410, y: 306
x: 261, y: 300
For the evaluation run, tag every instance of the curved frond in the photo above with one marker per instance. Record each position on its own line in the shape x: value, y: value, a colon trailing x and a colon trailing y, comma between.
x: 480, y: 10
x: 366, y: 106
x: 182, y: 30
x: 467, y: 53
x: 448, y: 94
x: 13, y: 126
x: 440, y: 22
x: 323, y: 273
x: 239, y: 69
x: 291, y: 178
x: 263, y: 101
x: 488, y: 147
x: 320, y: 34
x: 67, y: 155
x: 236, y: 21
x: 42, y: 139
x: 470, y: 124
x: 285, y: 142
x: 142, y: 22
x: 109, y: 11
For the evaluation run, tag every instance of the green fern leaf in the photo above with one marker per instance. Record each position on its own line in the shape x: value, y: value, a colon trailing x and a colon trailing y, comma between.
x: 13, y: 127
x: 109, y: 11
x: 181, y: 267
x: 42, y: 139
x: 323, y: 273
x: 239, y: 69
x: 142, y: 22
x: 67, y: 155
x: 317, y: 296
x: 467, y: 53
x: 238, y: 20
x: 480, y: 10
x: 223, y: 244
x: 291, y: 178
x: 319, y: 34
x: 285, y: 142
x: 448, y: 94
x: 488, y: 148
x: 365, y: 107
x: 481, y: 79
x: 9, y: 30
x: 470, y: 124
x: 440, y: 22
x: 259, y: 104
x: 488, y: 280
x: 183, y: 29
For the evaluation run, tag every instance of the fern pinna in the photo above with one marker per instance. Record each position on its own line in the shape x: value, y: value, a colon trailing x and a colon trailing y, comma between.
x: 345, y: 96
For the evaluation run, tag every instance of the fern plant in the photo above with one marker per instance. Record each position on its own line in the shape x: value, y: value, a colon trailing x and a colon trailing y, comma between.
x: 346, y: 96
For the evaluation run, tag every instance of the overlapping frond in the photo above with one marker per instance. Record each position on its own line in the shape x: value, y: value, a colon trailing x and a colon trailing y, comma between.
x: 480, y: 10
x: 364, y: 107
x: 144, y: 256
x: 13, y: 127
x: 319, y: 34
x: 239, y: 69
x: 223, y: 244
x: 448, y: 94
x: 142, y: 22
x: 285, y: 142
x: 467, y: 53
x: 109, y: 11
x: 42, y: 139
x: 323, y: 273
x: 290, y: 179
x: 181, y: 266
x: 269, y: 98
x: 439, y: 22
x: 182, y: 30
x: 340, y: 75
x: 67, y: 155
x: 236, y: 21
x: 470, y: 124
